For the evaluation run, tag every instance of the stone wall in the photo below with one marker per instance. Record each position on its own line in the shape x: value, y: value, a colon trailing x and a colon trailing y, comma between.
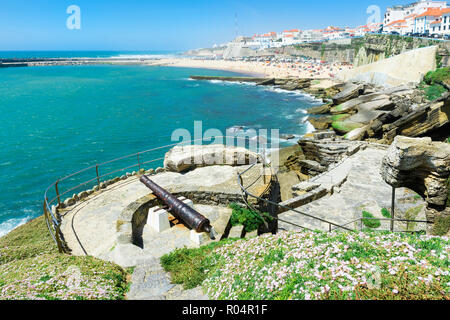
x: 407, y: 67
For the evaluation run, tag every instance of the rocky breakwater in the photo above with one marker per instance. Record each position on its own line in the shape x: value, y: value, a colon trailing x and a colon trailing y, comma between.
x: 423, y: 166
x: 320, y: 88
x: 364, y: 111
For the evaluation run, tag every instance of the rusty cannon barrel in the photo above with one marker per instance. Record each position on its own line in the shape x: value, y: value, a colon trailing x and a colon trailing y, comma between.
x: 192, y: 218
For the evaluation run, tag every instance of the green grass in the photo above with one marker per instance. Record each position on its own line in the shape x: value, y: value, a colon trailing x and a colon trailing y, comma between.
x: 318, y: 265
x: 190, y: 267
x: 370, y: 223
x: 32, y: 268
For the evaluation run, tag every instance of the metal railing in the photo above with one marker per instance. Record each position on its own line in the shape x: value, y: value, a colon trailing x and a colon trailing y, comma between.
x: 52, y: 206
x: 331, y: 225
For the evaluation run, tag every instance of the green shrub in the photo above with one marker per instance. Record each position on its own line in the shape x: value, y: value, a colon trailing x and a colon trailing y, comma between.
x: 251, y: 220
x: 434, y: 91
x: 370, y: 223
x: 437, y: 76
x: 385, y: 212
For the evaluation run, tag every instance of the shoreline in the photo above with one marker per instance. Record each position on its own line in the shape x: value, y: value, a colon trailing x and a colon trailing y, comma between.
x: 266, y: 69
x: 298, y: 70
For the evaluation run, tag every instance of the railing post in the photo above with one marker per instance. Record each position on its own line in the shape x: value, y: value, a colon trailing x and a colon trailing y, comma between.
x: 57, y: 193
x: 98, y: 178
x: 392, y: 209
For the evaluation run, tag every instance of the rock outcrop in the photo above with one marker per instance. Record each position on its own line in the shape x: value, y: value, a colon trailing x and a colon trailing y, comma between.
x: 184, y: 158
x: 379, y: 114
x: 423, y: 166
x: 322, y: 151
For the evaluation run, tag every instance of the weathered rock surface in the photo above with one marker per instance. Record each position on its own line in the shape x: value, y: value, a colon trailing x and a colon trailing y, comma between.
x: 349, y: 91
x: 184, y: 158
x: 326, y: 151
x: 422, y: 165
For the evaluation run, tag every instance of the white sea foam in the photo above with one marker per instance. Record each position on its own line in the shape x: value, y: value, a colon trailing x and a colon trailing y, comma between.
x: 301, y: 110
x: 9, y: 225
x: 309, y: 127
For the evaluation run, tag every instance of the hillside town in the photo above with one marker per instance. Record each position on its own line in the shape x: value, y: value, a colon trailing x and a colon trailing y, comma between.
x: 422, y: 18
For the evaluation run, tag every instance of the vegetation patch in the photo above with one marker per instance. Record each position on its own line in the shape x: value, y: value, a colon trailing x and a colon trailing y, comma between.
x: 385, y: 213
x: 371, y: 222
x: 251, y: 220
x: 411, y: 214
x: 190, y: 267
x: 439, y: 76
x: 432, y: 92
x: 338, y: 265
x: 32, y: 268
x: 441, y: 225
x: 344, y: 126
x: 339, y: 117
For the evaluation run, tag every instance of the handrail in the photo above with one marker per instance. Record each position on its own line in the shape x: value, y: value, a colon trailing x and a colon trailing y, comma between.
x: 53, y: 220
x: 246, y: 192
x: 332, y: 226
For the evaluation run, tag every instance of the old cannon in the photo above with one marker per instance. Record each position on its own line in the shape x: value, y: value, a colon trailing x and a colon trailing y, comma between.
x: 180, y: 210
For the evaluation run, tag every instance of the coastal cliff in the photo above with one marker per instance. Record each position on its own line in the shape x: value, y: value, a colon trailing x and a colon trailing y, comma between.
x: 365, y: 50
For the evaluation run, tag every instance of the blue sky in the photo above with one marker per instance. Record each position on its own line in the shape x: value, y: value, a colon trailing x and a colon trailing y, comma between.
x: 165, y: 25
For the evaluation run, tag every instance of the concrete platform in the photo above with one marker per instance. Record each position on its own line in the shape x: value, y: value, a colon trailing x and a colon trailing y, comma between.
x: 90, y: 226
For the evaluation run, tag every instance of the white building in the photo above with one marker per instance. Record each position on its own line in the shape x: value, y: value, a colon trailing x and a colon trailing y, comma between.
x: 425, y: 21
x: 441, y: 24
x: 445, y: 24
x: 399, y: 26
x: 396, y: 13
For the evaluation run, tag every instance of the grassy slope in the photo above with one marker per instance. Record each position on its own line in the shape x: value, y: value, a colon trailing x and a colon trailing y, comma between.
x: 32, y: 268
x: 314, y: 265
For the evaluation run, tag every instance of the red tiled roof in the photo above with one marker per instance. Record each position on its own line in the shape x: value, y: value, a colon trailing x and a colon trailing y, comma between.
x: 433, y: 12
x: 395, y: 22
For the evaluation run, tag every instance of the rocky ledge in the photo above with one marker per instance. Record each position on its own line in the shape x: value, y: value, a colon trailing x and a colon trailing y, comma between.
x: 366, y: 112
x: 423, y: 166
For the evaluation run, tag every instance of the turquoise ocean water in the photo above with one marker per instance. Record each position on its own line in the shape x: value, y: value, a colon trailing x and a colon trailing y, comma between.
x: 58, y: 120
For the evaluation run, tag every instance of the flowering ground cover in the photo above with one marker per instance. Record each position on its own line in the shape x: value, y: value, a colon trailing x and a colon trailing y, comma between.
x: 316, y: 265
x: 32, y: 268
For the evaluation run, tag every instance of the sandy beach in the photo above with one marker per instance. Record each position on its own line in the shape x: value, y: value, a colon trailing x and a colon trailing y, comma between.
x: 261, y: 69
